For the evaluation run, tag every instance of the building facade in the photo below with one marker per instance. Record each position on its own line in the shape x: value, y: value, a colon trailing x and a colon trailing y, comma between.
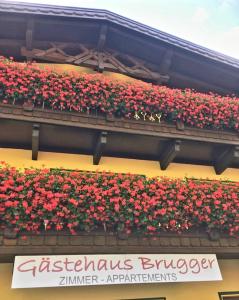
x: 139, y: 160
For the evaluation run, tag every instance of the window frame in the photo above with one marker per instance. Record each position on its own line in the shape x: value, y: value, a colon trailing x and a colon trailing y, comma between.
x: 224, y: 295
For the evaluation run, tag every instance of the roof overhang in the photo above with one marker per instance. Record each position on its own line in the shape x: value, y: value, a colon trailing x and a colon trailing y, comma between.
x: 103, y: 40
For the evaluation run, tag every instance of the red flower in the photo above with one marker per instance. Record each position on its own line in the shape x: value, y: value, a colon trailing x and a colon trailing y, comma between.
x: 24, y: 204
x: 199, y: 203
x: 8, y: 203
x: 98, y: 94
x: 56, y: 200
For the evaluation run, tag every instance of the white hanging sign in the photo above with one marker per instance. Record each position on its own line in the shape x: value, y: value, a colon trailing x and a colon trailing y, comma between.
x: 82, y: 270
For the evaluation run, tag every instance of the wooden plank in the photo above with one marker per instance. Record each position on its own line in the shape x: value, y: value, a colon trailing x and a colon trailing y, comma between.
x: 11, y: 42
x: 95, y: 60
x: 169, y: 153
x: 100, y: 146
x: 9, y: 112
x: 102, y: 37
x: 204, y: 63
x: 29, y: 34
x: 166, y: 62
x: 73, y: 59
x: 35, y: 140
x: 197, y: 82
x: 225, y: 247
x: 225, y: 159
x: 101, y: 65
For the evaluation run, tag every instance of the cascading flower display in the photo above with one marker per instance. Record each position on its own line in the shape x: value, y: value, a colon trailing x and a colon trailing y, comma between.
x: 97, y: 94
x: 41, y: 199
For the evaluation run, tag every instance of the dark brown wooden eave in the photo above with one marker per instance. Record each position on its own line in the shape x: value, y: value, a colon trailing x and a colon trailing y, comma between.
x: 111, y: 243
x: 102, y: 14
x: 102, y: 40
x: 54, y: 131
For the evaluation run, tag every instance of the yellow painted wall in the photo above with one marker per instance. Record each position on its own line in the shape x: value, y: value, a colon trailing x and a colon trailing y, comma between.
x: 172, y: 291
x: 22, y: 158
x: 68, y: 68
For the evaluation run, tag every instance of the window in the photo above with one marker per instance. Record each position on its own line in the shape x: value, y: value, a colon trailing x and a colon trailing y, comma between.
x: 229, y: 295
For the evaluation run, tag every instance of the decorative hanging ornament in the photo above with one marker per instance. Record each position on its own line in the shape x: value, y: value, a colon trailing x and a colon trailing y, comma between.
x: 151, y: 118
x: 158, y: 116
x: 144, y: 115
x: 46, y: 222
x: 136, y: 115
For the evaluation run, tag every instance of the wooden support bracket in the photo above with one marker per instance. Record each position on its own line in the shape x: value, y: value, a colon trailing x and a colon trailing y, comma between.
x: 98, y: 59
x: 169, y: 153
x: 99, y: 148
x: 100, y: 47
x: 180, y: 125
x: 224, y: 159
x: 29, y: 36
x: 35, y: 141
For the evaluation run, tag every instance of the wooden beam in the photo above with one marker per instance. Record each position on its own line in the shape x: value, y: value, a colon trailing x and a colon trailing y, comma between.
x: 29, y: 34
x: 140, y: 39
x: 157, y: 46
x: 166, y: 62
x: 10, y: 18
x: 35, y: 141
x: 169, y: 153
x: 99, y: 147
x: 225, y: 159
x: 101, y: 65
x: 93, y: 59
x: 204, y: 63
x: 100, y: 60
x: 198, y: 84
x: 167, y: 131
x: 100, y: 47
x: 11, y: 42
x: 51, y: 22
x: 102, y: 37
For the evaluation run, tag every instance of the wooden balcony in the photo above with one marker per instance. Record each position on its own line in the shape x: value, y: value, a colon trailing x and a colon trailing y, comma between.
x: 54, y: 131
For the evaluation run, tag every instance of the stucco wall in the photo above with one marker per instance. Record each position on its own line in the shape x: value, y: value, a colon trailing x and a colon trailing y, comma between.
x: 172, y: 291
x: 22, y: 158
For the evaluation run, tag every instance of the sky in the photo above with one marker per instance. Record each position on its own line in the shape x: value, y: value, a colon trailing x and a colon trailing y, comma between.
x: 210, y: 23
